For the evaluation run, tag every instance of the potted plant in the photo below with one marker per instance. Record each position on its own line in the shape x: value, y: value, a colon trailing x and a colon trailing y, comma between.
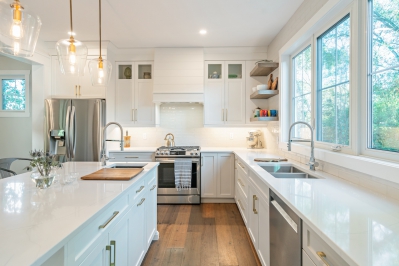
x: 44, y: 165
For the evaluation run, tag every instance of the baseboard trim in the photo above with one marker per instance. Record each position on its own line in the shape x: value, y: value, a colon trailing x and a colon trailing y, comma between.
x: 156, y: 236
x: 217, y: 200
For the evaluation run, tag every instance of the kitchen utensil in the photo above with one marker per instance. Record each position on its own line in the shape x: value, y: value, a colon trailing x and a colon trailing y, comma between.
x: 113, y: 174
x: 261, y: 87
x: 270, y: 82
x: 273, y: 112
x: 274, y: 84
x: 253, y: 141
x: 170, y: 142
x: 257, y: 112
x: 263, y: 113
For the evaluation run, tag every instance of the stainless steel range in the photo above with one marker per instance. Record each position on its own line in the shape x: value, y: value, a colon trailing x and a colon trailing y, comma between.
x: 167, y: 193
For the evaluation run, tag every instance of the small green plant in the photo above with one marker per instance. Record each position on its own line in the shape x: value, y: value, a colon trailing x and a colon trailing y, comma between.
x: 44, y: 162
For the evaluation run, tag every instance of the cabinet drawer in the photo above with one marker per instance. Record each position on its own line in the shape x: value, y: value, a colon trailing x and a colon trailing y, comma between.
x: 306, y: 261
x: 88, y: 238
x: 131, y: 156
x: 241, y: 167
x: 242, y: 183
x: 242, y: 205
x: 318, y: 250
x: 138, y: 189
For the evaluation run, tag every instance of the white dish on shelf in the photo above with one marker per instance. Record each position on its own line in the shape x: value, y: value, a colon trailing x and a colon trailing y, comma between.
x: 261, y: 87
x: 254, y: 89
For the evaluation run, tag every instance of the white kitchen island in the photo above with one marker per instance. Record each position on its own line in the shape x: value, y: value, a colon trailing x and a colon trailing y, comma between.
x: 84, y: 223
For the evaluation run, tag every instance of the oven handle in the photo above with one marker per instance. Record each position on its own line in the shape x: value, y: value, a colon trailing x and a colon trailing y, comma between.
x: 172, y: 161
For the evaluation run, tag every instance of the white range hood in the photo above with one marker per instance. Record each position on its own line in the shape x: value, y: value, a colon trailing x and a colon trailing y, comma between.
x: 178, y: 75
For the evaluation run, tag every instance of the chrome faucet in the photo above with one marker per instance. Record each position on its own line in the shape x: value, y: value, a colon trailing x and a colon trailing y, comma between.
x: 312, y: 162
x: 104, y: 157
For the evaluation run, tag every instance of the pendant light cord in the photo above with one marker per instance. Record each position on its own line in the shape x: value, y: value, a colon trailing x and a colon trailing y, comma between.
x: 70, y: 16
x: 100, y: 23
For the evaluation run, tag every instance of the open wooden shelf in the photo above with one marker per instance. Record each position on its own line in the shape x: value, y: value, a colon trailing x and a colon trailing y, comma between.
x: 264, y: 94
x: 264, y: 118
x: 263, y: 69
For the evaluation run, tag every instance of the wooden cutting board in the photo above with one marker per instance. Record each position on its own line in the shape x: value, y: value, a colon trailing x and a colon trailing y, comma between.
x: 270, y: 160
x: 113, y: 174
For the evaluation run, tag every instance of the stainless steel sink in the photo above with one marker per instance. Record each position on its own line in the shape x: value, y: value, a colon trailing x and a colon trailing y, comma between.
x: 293, y: 175
x: 128, y: 165
x: 281, y: 169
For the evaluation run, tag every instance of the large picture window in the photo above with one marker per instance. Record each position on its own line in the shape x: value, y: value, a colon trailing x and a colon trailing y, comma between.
x: 333, y: 64
x: 384, y: 75
x: 302, y: 94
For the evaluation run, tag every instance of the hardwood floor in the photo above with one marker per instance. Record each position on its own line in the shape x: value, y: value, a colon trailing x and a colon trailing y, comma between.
x: 203, y: 235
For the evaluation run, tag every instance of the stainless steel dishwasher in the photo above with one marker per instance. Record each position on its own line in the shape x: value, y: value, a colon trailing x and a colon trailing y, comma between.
x: 285, y: 234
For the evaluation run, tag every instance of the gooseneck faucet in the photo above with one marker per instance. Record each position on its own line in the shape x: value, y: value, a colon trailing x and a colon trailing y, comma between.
x: 312, y: 162
x: 104, y: 157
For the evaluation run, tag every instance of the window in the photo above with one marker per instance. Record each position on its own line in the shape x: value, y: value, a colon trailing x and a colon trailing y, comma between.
x: 383, y: 76
x: 14, y: 89
x: 302, y: 97
x: 333, y: 64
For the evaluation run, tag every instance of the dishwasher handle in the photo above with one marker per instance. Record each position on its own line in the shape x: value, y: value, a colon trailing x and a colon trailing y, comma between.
x: 285, y: 215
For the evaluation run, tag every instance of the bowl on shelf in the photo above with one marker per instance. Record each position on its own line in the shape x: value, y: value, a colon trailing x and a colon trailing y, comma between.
x: 261, y: 87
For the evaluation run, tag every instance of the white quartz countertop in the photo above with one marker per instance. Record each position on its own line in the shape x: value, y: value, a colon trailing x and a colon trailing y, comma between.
x: 361, y: 226
x: 136, y: 149
x: 34, y: 222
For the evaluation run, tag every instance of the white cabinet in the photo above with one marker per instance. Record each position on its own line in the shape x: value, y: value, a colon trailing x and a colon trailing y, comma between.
x: 217, y: 175
x: 123, y: 156
x: 224, y: 95
x: 134, y: 92
x: 74, y: 86
x: 138, y: 234
x: 306, y: 261
x: 119, y: 240
x: 151, y: 211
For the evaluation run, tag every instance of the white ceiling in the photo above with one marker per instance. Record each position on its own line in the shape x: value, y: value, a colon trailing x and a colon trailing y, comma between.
x: 166, y: 23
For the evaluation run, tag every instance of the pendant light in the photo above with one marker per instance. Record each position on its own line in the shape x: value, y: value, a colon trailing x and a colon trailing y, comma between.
x: 19, y: 30
x: 100, y: 69
x: 72, y: 53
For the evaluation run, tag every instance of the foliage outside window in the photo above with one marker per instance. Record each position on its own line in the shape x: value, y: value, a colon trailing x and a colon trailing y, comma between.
x: 302, y: 97
x: 13, y: 95
x: 384, y: 75
x: 333, y: 64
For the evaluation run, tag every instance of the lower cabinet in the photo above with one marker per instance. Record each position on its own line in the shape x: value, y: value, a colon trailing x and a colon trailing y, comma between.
x: 151, y: 211
x: 138, y: 233
x: 217, y: 175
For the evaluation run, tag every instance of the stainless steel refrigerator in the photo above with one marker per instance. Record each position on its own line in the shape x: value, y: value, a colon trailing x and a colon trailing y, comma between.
x: 73, y: 128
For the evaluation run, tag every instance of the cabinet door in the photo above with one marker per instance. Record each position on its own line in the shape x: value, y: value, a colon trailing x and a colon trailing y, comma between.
x: 253, y: 217
x: 209, y: 175
x: 124, y: 102
x: 264, y: 234
x: 151, y: 212
x: 226, y: 175
x: 62, y: 85
x: 137, y: 233
x: 214, y: 110
x: 145, y: 107
x: 87, y: 90
x: 234, y: 93
x: 119, y: 240
x: 306, y: 261
x: 100, y: 256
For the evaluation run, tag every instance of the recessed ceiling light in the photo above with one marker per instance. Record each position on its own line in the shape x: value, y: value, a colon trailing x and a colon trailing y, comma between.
x: 202, y: 32
x: 71, y: 33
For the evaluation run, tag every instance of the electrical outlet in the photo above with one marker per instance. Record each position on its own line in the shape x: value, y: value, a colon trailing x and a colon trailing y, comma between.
x: 144, y: 135
x: 231, y: 135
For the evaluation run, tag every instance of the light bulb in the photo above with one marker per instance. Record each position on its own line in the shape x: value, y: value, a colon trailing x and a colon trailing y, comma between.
x: 72, y: 68
x: 72, y: 53
x: 101, y: 72
x: 16, y: 29
x: 16, y: 47
x: 72, y: 58
x: 100, y: 80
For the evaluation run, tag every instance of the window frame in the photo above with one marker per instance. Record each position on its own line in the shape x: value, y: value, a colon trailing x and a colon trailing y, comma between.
x: 16, y: 74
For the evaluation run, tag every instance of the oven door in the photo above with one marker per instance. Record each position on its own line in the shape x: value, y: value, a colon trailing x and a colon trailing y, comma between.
x: 166, y: 177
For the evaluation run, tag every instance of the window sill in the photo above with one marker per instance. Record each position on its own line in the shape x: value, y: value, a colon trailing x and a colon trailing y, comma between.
x: 14, y: 114
x: 386, y: 170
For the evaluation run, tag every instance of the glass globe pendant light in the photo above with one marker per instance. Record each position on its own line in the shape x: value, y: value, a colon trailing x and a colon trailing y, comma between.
x: 19, y: 30
x: 100, y: 69
x: 72, y: 53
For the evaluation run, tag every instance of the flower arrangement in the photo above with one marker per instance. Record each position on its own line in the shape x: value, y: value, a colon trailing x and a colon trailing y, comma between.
x: 44, y: 162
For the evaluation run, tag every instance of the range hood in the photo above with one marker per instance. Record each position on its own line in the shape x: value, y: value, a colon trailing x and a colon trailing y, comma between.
x: 178, y: 75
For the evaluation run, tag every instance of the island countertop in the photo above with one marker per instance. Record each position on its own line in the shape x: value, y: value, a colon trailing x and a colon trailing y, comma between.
x: 35, y: 223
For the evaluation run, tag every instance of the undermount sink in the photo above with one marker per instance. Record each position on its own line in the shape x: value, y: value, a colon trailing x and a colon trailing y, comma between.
x: 286, y: 171
x: 128, y: 165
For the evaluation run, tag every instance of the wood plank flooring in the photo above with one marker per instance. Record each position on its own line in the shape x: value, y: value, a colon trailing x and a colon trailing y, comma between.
x: 201, y: 235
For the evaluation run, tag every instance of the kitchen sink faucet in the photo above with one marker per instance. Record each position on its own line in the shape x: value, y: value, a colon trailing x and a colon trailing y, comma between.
x: 312, y: 162
x: 104, y: 157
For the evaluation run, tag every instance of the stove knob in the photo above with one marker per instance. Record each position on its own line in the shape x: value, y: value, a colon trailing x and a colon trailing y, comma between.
x: 162, y: 153
x: 157, y: 152
x: 191, y: 153
x: 166, y: 152
x: 196, y: 153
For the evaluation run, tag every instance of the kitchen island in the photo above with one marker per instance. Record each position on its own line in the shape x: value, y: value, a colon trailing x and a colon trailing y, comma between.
x: 75, y: 223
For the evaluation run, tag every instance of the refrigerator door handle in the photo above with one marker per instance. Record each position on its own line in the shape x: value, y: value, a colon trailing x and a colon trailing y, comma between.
x: 72, y: 132
x: 67, y: 118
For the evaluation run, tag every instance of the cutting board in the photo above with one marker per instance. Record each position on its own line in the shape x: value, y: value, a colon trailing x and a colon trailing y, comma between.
x: 113, y: 174
x: 270, y: 160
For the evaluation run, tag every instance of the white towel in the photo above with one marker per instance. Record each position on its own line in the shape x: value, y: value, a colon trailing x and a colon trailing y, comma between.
x: 183, y: 173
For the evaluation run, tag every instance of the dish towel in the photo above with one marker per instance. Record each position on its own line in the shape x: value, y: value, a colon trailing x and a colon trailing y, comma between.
x: 183, y: 173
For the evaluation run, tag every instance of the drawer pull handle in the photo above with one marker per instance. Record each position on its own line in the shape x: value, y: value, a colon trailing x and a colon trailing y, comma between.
x: 113, y: 243
x: 239, y: 181
x: 131, y: 157
x: 241, y: 165
x: 254, y: 197
x: 141, y: 188
x: 109, y: 220
x: 285, y: 215
x: 239, y: 203
x: 153, y: 187
x: 141, y: 202
x: 323, y: 257
x: 108, y: 247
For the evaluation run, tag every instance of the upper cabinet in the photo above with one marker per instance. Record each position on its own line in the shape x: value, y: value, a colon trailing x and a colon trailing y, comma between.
x: 74, y: 86
x: 134, y: 94
x: 224, y: 95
